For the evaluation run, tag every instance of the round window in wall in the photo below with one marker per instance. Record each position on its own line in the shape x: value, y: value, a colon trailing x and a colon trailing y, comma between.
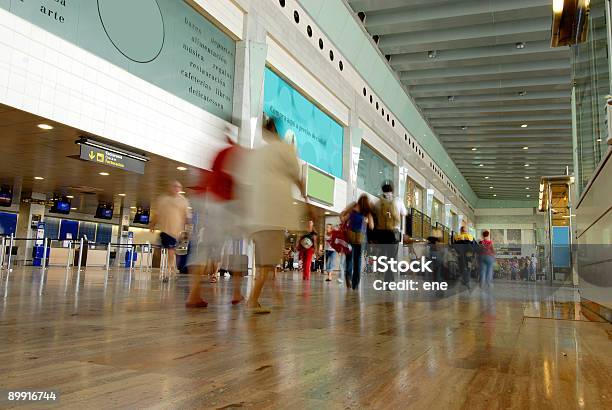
x: 135, y: 27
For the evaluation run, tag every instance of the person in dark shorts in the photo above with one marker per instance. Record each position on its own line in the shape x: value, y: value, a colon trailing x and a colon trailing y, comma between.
x: 171, y: 215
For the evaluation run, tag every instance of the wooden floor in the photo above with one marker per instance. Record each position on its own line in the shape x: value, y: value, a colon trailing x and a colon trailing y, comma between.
x: 126, y: 341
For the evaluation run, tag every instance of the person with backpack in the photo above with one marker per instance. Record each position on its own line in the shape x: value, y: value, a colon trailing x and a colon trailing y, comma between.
x: 356, y: 220
x: 388, y: 213
x: 487, y: 260
x: 220, y: 208
x: 465, y: 246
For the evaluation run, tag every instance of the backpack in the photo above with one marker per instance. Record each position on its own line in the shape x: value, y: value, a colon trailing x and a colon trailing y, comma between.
x: 387, y: 217
x: 218, y: 181
x: 339, y: 241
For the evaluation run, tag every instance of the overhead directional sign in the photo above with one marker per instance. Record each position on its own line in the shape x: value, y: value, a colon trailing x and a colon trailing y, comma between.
x: 105, y: 155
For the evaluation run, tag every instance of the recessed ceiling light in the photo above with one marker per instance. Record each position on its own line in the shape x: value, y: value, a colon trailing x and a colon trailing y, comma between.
x: 39, y: 178
x: 494, y: 194
x: 464, y: 127
x: 295, y: 203
x: 121, y: 194
x: 481, y: 165
x: 474, y: 149
x: 528, y: 195
x: 486, y: 177
x: 598, y: 139
x: 132, y: 207
x: 327, y: 212
x: 45, y: 126
x: 104, y: 174
x: 526, y: 165
x: 73, y: 209
x: 522, y: 93
x: 181, y: 168
x: 70, y: 196
x: 432, y: 54
x: 490, y: 187
x: 182, y: 192
x: 527, y: 177
x: 527, y: 188
x: 520, y: 45
x: 523, y: 125
x: 525, y: 147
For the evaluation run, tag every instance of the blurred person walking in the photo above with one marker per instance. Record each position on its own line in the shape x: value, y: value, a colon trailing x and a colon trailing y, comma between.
x: 275, y: 171
x: 307, y: 245
x: 388, y: 213
x: 465, y: 246
x: 171, y: 216
x: 357, y: 219
x: 220, y: 210
x: 533, y: 267
x: 330, y: 252
x: 487, y: 260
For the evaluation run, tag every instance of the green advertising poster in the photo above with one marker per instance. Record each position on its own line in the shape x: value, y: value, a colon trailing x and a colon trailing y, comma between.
x: 164, y: 42
x: 320, y: 186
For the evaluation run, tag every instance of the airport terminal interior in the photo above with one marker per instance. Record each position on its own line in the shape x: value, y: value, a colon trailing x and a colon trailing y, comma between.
x: 306, y: 204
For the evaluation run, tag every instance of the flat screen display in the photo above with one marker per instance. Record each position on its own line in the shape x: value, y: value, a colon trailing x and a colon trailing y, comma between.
x: 142, y: 217
x: 6, y: 197
x: 104, y: 211
x: 60, y: 206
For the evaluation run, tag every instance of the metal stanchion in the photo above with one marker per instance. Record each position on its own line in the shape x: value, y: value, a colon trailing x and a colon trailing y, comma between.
x: 132, y: 248
x: 149, y: 252
x: 70, y: 256
x: 3, y: 252
x: 140, y: 260
x: 43, y: 263
x: 108, y: 253
x: 80, y: 255
x: 10, y: 255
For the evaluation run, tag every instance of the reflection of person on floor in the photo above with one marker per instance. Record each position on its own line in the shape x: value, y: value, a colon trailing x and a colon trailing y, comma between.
x: 275, y: 171
x: 170, y: 216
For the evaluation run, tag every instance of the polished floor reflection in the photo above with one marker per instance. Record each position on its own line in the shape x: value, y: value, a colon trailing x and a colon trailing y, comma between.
x: 125, y: 340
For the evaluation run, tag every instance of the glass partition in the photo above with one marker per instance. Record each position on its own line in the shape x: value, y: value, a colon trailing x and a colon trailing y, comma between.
x: 591, y: 75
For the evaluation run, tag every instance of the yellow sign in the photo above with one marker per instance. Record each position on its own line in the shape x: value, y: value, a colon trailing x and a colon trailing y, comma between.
x: 100, y: 157
x: 92, y: 155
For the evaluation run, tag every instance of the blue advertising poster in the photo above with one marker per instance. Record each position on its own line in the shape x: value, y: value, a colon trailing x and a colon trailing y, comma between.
x: 317, y: 136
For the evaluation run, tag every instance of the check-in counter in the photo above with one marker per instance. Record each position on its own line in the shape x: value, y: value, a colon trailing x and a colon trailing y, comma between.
x: 96, y: 257
x: 59, y: 256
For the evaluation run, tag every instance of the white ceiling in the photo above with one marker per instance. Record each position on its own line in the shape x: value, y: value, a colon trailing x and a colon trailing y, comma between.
x: 460, y: 62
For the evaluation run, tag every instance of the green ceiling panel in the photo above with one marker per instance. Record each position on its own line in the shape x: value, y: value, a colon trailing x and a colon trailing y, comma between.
x: 337, y: 21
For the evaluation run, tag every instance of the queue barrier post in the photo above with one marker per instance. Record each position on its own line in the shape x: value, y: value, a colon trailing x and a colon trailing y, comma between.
x: 3, y: 252
x: 132, y: 250
x: 10, y: 255
x: 80, y: 254
x: 43, y: 263
x: 108, y: 254
x: 70, y: 256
